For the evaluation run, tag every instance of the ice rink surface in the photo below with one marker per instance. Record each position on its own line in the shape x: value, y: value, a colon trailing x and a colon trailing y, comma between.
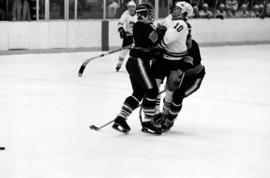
x: 223, y: 130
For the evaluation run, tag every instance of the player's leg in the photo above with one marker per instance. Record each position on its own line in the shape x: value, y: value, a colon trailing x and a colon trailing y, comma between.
x: 159, y: 69
x: 129, y: 105
x: 146, y: 80
x: 173, y: 83
x: 190, y: 85
x: 157, y: 108
x: 122, y: 54
x: 131, y: 102
x: 173, y: 110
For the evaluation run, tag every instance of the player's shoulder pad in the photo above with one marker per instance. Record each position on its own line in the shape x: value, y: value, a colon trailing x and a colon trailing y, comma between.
x: 181, y: 22
x: 141, y: 24
x: 125, y: 14
x: 165, y: 20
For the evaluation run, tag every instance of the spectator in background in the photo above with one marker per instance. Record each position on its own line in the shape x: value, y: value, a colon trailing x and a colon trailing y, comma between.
x: 205, y: 12
x: 196, y: 12
x: 244, y: 13
x: 235, y: 12
x: 26, y: 10
x: 220, y: 12
x: 21, y: 10
x: 17, y: 10
x: 261, y: 11
x: 255, y: 12
x: 267, y: 9
x: 112, y: 9
x: 229, y: 13
x: 234, y: 5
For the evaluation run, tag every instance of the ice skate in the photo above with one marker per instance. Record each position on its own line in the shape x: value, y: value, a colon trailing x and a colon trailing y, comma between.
x: 151, y: 127
x: 120, y: 124
x: 167, y: 124
x: 118, y: 67
x: 158, y: 118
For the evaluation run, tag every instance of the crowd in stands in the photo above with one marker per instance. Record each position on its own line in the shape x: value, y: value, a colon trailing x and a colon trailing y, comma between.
x: 225, y: 8
x: 232, y: 9
x: 26, y: 9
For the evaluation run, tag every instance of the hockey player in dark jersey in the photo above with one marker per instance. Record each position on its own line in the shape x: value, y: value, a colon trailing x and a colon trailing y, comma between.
x: 191, y: 82
x: 138, y: 66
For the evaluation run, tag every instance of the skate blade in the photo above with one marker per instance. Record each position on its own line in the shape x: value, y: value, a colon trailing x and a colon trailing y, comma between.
x: 150, y: 131
x: 116, y: 127
x: 165, y: 130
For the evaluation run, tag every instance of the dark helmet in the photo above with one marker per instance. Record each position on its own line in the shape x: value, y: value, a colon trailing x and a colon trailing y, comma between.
x: 145, y: 11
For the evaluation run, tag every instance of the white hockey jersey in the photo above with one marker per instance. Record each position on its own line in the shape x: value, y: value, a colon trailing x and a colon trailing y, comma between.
x: 174, y: 40
x: 127, y: 21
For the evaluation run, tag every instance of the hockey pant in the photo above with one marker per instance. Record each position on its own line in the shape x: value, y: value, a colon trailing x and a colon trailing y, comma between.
x: 144, y: 88
x: 189, y: 85
x: 128, y: 40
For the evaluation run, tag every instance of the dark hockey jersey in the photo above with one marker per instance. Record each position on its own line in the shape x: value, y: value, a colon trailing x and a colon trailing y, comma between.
x: 194, y: 52
x: 145, y: 38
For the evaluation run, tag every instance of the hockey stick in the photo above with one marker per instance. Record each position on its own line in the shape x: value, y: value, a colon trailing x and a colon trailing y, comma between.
x: 99, y: 56
x: 93, y: 127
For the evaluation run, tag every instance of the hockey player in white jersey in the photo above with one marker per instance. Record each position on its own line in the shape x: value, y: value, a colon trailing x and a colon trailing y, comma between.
x: 125, y: 27
x: 174, y: 61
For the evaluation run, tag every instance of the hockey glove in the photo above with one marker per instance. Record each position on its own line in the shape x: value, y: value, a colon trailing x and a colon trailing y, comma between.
x: 122, y: 32
x: 161, y: 30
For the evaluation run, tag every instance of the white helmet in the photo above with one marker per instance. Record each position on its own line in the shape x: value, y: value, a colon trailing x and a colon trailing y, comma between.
x: 131, y: 3
x: 187, y: 9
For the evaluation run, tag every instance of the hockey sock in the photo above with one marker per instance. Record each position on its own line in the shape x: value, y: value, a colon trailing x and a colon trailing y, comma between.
x: 167, y: 102
x: 157, y: 110
x: 158, y: 81
x: 149, y: 108
x: 174, y: 110
x: 129, y: 105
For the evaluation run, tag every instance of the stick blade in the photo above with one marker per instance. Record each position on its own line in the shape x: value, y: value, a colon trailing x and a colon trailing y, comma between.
x: 81, y: 70
x: 93, y: 127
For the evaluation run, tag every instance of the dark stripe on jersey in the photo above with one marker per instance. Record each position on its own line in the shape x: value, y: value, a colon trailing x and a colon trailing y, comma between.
x: 162, y: 43
x: 175, y: 54
x: 194, y: 87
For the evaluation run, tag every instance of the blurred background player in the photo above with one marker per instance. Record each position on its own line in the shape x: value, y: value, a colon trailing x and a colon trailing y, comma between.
x: 138, y: 66
x: 125, y: 27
